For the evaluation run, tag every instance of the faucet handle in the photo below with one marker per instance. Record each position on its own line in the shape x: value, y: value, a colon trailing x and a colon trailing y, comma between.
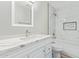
x: 27, y: 31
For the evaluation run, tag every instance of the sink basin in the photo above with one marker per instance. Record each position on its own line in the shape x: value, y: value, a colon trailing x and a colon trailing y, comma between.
x: 14, y: 41
x: 31, y: 37
x: 19, y: 40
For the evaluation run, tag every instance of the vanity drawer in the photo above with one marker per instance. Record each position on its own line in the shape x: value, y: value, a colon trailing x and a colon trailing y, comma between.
x: 11, y: 51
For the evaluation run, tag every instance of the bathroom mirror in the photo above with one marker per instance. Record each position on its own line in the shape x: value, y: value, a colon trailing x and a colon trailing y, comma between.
x: 22, y: 13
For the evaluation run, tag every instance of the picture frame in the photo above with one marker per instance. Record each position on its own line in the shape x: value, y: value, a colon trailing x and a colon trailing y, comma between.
x: 70, y: 25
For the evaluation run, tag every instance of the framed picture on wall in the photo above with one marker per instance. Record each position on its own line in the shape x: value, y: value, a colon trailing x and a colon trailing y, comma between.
x: 70, y: 25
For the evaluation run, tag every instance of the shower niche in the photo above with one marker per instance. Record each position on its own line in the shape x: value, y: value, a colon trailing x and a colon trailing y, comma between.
x: 22, y: 14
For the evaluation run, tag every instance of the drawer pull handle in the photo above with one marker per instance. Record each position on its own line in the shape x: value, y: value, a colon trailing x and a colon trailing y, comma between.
x: 37, y: 40
x: 52, y: 42
x: 22, y: 45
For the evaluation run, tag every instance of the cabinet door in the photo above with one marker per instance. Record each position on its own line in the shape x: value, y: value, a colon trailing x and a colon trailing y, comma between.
x: 10, y: 52
x: 37, y: 53
x: 21, y: 53
x: 48, y: 51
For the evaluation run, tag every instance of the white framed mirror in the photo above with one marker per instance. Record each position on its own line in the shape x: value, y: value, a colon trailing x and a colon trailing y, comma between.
x: 22, y: 13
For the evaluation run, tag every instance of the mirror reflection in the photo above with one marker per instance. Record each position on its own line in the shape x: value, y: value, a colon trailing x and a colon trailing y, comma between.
x: 22, y: 13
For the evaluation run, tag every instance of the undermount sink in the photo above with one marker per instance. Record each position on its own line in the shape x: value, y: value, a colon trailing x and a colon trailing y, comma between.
x: 31, y: 37
x: 14, y: 41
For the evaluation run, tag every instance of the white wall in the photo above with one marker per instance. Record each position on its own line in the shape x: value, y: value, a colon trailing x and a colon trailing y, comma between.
x: 70, y: 12
x: 40, y: 20
x: 40, y: 17
x: 5, y: 21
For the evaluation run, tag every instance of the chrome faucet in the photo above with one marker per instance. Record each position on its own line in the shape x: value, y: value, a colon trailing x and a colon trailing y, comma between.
x: 27, y: 33
x: 54, y: 35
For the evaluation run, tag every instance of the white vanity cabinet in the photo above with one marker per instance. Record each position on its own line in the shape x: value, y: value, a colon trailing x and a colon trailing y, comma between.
x: 37, y: 53
x: 12, y: 52
x: 48, y: 50
x: 38, y: 49
x: 42, y: 52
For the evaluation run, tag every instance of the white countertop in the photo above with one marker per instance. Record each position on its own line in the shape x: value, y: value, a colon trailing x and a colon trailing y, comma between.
x: 14, y: 42
x: 71, y: 49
